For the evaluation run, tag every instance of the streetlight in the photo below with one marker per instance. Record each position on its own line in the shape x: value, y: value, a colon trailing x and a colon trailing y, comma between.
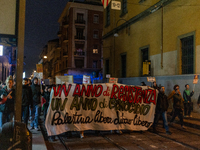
x: 127, y: 24
x: 116, y: 35
x: 45, y: 57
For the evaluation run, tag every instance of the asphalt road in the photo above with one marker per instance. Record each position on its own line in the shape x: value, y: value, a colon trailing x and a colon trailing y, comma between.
x: 147, y: 140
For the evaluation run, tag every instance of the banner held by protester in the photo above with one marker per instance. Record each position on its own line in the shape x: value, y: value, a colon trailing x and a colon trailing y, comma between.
x: 106, y: 106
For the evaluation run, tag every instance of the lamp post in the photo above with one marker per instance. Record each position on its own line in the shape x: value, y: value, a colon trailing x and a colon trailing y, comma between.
x: 116, y: 35
x: 127, y: 24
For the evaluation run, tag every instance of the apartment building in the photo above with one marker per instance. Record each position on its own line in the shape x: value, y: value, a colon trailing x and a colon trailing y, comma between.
x: 79, y: 50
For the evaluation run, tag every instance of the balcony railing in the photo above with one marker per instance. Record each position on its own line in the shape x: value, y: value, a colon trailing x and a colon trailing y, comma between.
x: 80, y: 37
x: 80, y: 21
x: 79, y: 53
x: 59, y: 33
x: 66, y: 22
x: 58, y: 46
x: 65, y: 53
x: 65, y: 39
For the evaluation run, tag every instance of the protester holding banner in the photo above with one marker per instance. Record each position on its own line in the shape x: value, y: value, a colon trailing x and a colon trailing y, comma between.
x: 143, y: 84
x: 45, y: 103
x: 187, y: 101
x: 178, y: 106
x: 155, y: 86
x: 161, y: 110
x: 36, y: 104
x: 27, y: 100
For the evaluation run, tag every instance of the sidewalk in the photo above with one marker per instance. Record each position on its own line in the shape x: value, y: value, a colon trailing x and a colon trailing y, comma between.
x: 38, y: 142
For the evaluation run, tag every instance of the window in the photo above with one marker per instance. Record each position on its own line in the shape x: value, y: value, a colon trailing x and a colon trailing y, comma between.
x: 66, y: 63
x: 96, y: 34
x: 95, y: 49
x: 79, y: 17
x: 94, y: 64
x: 124, y: 7
x: 123, y: 65
x: 146, y: 67
x: 79, y: 63
x: 79, y: 32
x: 96, y: 18
x: 187, y: 45
x: 108, y: 15
x: 107, y: 66
x: 1, y: 50
x: 145, y: 54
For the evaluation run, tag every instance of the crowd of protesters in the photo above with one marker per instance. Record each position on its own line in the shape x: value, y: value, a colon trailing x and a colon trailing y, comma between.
x: 182, y: 105
x: 31, y: 103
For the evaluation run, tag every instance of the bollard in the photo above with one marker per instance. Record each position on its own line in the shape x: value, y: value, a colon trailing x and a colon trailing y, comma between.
x: 15, y: 135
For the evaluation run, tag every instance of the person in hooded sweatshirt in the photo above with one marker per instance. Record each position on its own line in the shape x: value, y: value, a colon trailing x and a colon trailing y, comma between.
x: 7, y: 101
x: 36, y: 104
x: 27, y: 100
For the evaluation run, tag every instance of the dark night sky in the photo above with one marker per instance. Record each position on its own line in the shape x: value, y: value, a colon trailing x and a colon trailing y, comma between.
x: 41, y: 25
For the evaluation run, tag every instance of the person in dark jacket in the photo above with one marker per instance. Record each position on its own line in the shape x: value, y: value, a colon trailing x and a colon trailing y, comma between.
x: 46, y: 96
x: 161, y: 110
x: 155, y: 86
x: 36, y: 104
x: 27, y: 100
x: 2, y: 107
x: 8, y: 103
x: 29, y: 82
x: 187, y: 101
x: 178, y: 106
x: 198, y: 101
x: 143, y: 84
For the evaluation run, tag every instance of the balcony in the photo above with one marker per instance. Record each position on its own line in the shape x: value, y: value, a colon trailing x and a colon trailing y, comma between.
x: 80, y: 22
x: 65, y: 54
x: 79, y: 37
x: 66, y: 23
x: 58, y: 46
x: 65, y: 40
x: 59, y: 33
x: 81, y: 53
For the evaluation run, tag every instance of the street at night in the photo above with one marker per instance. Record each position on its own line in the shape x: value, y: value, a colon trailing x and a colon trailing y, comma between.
x: 99, y: 74
x: 186, y: 139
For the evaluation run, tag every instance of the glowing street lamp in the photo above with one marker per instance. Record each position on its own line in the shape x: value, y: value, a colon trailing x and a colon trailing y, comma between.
x: 45, y: 57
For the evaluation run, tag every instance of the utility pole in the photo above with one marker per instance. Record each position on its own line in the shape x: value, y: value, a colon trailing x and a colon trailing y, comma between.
x: 20, y: 59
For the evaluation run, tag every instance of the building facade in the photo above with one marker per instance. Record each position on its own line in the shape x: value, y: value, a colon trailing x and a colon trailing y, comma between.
x: 50, y: 57
x: 164, y: 32
x: 80, y: 39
